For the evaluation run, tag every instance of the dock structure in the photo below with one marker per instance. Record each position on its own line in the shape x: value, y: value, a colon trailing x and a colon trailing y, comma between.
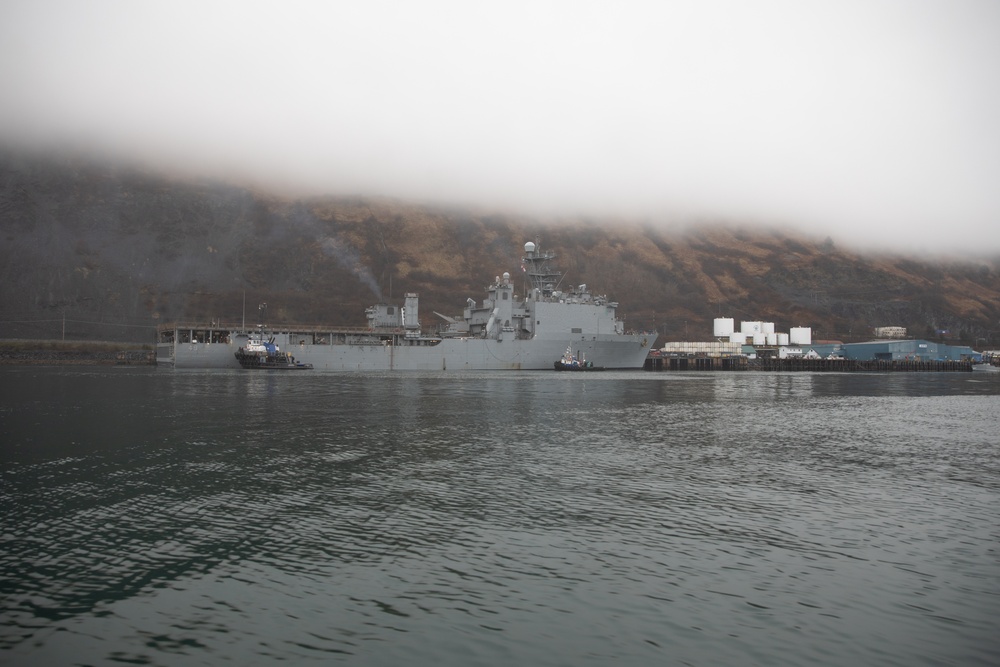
x: 696, y: 363
x: 135, y: 358
x: 798, y: 364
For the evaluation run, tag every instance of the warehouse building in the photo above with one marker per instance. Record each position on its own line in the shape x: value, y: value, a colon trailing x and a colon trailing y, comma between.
x: 897, y: 350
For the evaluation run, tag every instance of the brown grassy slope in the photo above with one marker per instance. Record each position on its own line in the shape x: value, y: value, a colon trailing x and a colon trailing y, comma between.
x: 663, y: 279
x: 113, y: 245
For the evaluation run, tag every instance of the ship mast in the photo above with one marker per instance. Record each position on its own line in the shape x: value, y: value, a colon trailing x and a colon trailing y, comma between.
x: 539, y: 273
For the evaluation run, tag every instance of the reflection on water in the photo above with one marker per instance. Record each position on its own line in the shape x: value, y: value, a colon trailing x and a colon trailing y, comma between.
x: 167, y: 517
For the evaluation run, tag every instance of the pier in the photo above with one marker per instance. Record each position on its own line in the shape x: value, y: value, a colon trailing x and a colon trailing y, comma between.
x: 736, y: 363
x: 742, y: 363
x: 74, y: 353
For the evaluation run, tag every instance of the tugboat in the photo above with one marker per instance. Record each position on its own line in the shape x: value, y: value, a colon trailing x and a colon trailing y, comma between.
x: 257, y: 354
x: 571, y: 362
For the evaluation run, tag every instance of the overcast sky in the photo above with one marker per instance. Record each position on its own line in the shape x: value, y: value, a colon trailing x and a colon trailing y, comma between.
x: 868, y: 119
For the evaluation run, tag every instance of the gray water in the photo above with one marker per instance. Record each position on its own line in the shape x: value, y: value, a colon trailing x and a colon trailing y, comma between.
x: 162, y: 517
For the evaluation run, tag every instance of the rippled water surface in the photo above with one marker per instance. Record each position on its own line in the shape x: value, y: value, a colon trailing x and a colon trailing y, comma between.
x: 162, y: 517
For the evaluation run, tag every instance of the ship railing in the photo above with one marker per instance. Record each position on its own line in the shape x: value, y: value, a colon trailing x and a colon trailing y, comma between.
x: 269, y: 328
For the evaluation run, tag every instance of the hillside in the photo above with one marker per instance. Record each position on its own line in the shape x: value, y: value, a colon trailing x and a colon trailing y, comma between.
x: 109, y: 252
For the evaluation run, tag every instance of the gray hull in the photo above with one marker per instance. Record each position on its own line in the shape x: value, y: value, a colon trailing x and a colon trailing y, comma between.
x: 620, y: 351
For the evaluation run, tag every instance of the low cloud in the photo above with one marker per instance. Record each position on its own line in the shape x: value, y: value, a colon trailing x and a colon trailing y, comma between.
x: 871, y: 122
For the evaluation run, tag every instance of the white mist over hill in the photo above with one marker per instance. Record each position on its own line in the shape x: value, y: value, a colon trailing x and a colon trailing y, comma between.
x: 873, y: 122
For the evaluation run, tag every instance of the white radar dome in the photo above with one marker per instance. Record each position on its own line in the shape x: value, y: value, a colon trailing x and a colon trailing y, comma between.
x: 529, y: 246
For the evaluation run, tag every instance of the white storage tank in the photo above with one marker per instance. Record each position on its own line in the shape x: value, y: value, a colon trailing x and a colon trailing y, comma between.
x: 767, y: 327
x: 759, y: 339
x: 750, y: 328
x: 724, y: 326
x: 772, y: 338
x: 800, y: 336
x: 740, y: 338
x: 782, y: 339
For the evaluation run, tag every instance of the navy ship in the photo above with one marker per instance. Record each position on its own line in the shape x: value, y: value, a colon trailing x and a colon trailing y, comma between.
x: 503, y: 332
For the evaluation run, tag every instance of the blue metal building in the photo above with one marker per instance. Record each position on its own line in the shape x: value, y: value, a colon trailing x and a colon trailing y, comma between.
x: 900, y: 350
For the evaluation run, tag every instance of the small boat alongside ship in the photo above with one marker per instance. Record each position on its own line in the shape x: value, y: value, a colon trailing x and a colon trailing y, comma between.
x: 573, y: 362
x: 260, y: 355
x: 520, y: 325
